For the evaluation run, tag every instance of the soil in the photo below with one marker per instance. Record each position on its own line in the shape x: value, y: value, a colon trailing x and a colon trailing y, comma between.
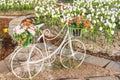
x: 105, y: 55
x: 7, y: 44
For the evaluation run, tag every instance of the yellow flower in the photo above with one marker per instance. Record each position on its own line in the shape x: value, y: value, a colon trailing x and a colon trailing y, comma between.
x: 5, y: 30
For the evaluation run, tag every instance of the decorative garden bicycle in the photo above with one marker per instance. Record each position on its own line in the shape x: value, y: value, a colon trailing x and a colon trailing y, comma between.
x: 27, y: 62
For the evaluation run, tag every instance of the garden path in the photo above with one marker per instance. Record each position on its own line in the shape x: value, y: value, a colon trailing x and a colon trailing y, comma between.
x: 85, y: 71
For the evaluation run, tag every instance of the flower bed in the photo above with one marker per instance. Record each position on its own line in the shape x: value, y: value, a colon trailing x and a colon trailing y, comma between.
x: 104, y: 17
x: 6, y: 5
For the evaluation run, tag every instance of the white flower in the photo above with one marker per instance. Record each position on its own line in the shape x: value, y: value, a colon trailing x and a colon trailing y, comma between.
x: 92, y: 10
x: 83, y: 14
x: 92, y: 14
x: 36, y: 8
x: 96, y: 16
x: 98, y: 21
x: 97, y: 13
x: 94, y: 21
x: 62, y: 20
x: 101, y: 18
x: 100, y: 28
x: 84, y: 10
x: 114, y: 25
x: 108, y: 17
x: 20, y: 31
x: 68, y: 15
x: 37, y: 15
x: 113, y: 18
x: 112, y: 32
x: 109, y: 24
x: 17, y: 27
x: 71, y: 8
x: 105, y: 24
x: 102, y: 9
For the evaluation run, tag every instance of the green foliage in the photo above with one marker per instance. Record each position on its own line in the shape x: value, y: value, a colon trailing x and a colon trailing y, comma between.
x: 23, y: 39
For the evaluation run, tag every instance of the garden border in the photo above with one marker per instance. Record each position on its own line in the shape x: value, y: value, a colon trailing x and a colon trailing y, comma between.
x: 8, y: 17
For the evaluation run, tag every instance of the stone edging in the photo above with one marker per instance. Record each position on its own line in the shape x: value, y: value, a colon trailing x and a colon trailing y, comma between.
x: 111, y: 77
x: 8, y: 16
x: 105, y: 63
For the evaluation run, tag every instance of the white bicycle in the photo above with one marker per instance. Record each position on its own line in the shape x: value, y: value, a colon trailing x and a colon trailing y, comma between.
x: 27, y: 62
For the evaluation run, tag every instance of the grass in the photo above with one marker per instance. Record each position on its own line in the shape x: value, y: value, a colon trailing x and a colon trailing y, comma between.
x: 70, y: 63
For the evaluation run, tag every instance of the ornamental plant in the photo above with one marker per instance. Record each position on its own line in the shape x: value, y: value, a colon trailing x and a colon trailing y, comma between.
x: 47, y: 12
x: 103, y: 14
x: 24, y: 33
x: 4, y: 35
x: 79, y: 22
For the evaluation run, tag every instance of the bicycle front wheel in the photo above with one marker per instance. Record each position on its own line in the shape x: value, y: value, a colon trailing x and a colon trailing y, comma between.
x: 72, y: 53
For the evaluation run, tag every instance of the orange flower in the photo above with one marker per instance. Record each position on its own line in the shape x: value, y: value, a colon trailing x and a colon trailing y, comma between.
x: 25, y: 23
x: 78, y: 22
x: 28, y: 20
x: 86, y: 23
x: 73, y: 19
x: 32, y: 25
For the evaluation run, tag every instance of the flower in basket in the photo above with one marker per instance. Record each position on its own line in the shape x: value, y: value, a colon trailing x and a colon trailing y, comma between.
x: 78, y: 23
x: 24, y: 33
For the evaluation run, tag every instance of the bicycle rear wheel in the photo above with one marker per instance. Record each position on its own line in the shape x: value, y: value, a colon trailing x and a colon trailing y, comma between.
x: 20, y: 62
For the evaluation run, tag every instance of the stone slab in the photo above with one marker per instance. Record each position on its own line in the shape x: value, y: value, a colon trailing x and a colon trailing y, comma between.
x: 97, y: 61
x: 119, y: 75
x: 104, y: 78
x: 3, y: 67
x: 1, y: 39
x: 114, y: 66
x: 79, y: 55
